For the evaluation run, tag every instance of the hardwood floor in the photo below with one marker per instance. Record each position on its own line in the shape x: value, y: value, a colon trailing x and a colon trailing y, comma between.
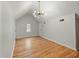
x: 38, y: 47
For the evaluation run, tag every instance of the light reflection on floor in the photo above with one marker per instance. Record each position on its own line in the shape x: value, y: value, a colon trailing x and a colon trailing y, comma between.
x: 29, y: 43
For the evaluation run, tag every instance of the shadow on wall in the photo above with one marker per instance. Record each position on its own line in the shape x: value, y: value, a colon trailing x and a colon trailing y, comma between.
x: 77, y: 31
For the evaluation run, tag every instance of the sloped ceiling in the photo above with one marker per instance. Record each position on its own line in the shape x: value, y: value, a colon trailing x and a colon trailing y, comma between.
x: 51, y: 8
x: 20, y: 7
x: 60, y: 8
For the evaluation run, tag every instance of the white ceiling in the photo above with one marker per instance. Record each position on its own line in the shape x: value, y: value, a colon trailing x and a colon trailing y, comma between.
x: 52, y: 8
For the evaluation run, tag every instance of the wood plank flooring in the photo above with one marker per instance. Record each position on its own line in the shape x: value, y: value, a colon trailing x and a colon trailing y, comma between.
x: 38, y: 47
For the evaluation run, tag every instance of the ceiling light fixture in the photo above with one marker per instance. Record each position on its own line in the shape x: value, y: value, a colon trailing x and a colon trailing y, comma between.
x: 39, y: 12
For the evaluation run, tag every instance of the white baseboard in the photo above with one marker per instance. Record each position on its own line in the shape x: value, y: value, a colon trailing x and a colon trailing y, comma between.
x: 19, y: 37
x: 59, y: 43
x: 13, y: 49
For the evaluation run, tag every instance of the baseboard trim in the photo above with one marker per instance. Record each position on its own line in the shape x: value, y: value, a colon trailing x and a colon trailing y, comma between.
x: 25, y: 37
x: 59, y: 43
x: 13, y: 49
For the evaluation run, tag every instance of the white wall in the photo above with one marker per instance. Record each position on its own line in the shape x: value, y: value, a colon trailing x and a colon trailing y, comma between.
x: 21, y: 26
x: 8, y: 28
x: 61, y: 32
x: 0, y: 30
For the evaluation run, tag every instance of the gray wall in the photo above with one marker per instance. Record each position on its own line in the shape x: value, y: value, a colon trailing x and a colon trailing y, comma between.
x: 61, y: 32
x: 21, y: 26
x: 0, y: 30
x: 8, y: 30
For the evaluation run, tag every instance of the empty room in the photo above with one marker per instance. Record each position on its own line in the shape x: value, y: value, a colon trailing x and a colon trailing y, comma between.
x: 39, y: 29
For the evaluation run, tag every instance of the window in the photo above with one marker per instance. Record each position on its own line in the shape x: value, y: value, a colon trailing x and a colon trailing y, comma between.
x: 28, y: 28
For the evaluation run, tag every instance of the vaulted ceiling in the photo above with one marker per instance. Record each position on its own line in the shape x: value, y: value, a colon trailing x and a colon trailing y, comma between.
x: 52, y: 8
